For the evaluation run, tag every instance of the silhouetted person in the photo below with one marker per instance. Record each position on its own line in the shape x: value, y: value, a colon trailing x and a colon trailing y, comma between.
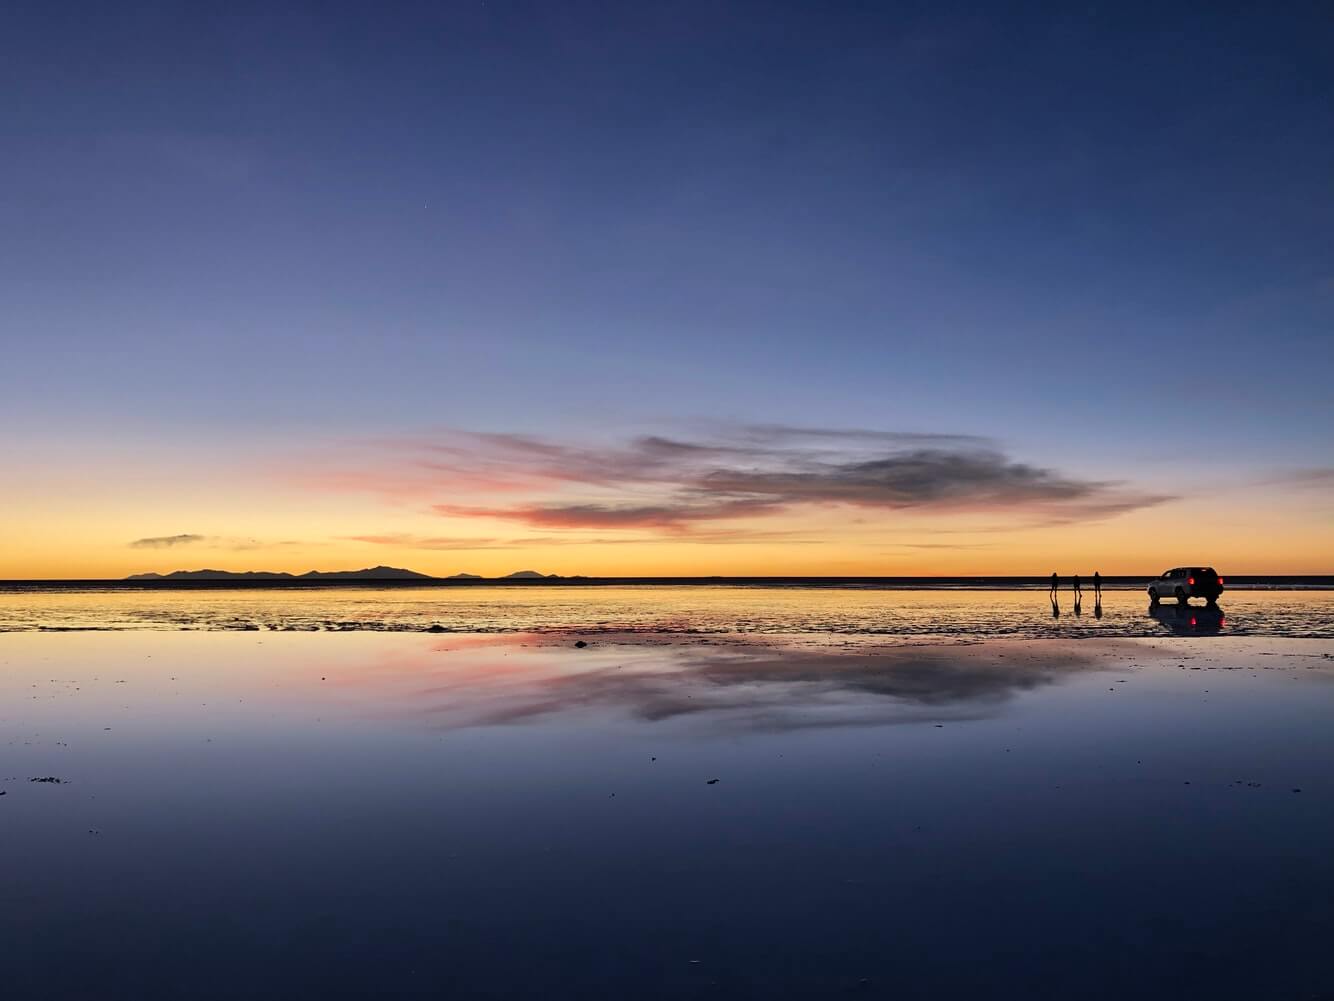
x: 1097, y: 587
x: 1055, y: 585
x: 1079, y: 593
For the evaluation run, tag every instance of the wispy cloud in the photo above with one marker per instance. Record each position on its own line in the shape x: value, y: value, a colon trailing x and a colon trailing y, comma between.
x: 448, y: 543
x: 721, y: 477
x: 939, y: 545
x: 699, y: 536
x: 1318, y: 477
x: 167, y: 541
x: 209, y: 542
x: 672, y: 516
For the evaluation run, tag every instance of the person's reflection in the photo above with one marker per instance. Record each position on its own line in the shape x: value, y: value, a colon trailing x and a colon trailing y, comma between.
x: 1079, y: 601
x: 1097, y: 605
x: 1055, y: 607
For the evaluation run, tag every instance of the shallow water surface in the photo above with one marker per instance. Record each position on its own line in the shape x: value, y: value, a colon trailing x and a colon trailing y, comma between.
x: 666, y: 609
x: 293, y: 815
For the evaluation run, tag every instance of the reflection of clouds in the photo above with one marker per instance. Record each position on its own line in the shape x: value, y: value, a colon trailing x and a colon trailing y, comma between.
x: 748, y: 688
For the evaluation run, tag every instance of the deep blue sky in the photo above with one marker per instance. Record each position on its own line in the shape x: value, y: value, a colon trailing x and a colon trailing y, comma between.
x: 1037, y: 224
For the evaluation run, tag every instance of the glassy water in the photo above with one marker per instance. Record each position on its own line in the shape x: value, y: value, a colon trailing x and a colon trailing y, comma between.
x: 668, y: 610
x: 351, y: 815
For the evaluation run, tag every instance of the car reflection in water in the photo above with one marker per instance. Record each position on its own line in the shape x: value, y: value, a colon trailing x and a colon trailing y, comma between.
x: 1189, y: 620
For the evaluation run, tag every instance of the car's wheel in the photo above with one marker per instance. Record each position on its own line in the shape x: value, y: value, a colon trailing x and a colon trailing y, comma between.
x: 1153, y: 596
x: 1181, y: 596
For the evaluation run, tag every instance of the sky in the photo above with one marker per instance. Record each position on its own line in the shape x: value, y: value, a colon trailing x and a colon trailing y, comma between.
x: 715, y: 288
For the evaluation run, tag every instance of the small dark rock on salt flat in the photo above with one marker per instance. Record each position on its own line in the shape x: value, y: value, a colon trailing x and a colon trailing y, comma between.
x: 580, y: 644
x: 712, y: 782
x: 48, y: 778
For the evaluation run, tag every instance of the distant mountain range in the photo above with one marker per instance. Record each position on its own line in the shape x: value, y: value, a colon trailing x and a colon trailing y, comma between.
x: 370, y: 573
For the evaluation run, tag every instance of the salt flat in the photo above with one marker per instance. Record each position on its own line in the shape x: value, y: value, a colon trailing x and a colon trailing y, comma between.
x: 282, y: 814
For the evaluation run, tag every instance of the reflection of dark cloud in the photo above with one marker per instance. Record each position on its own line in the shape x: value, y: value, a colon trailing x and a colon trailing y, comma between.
x: 775, y: 689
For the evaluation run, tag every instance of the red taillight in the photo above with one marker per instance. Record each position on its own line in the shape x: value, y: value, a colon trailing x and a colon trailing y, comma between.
x: 1192, y: 621
x: 1190, y: 580
x: 1220, y: 580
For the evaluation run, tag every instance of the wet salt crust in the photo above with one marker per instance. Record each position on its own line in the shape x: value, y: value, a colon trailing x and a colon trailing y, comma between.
x: 667, y: 610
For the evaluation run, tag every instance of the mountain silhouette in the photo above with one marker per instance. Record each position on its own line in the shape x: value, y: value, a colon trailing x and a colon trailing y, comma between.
x: 369, y: 573
x: 525, y: 575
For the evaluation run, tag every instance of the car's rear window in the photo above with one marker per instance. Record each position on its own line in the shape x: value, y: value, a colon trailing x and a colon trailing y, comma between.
x: 1204, y: 572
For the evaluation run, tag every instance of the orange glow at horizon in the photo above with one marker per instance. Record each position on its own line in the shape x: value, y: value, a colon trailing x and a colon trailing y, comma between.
x: 158, y: 510
x: 59, y: 546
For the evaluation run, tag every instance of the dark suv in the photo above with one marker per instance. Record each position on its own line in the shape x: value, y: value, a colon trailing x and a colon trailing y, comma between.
x: 1185, y: 583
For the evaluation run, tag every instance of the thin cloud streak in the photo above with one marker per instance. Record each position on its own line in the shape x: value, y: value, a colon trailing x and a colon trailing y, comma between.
x: 209, y: 542
x: 698, y: 536
x: 403, y: 540
x: 167, y: 541
x: 1315, y: 478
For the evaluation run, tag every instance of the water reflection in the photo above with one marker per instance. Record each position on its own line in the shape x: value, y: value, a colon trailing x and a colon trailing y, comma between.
x: 750, y: 688
x: 233, y: 824
x: 1189, y: 620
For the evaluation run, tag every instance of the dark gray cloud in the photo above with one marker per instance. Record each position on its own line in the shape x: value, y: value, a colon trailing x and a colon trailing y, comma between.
x: 669, y: 515
x: 907, y: 479
x: 759, y: 470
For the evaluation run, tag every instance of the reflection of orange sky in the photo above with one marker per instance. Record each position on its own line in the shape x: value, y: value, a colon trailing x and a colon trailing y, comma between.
x: 56, y: 524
